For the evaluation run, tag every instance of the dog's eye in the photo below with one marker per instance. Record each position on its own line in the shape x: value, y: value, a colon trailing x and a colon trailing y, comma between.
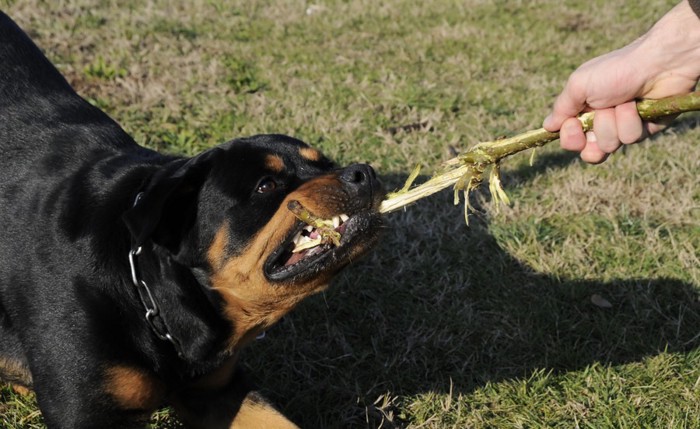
x: 266, y: 185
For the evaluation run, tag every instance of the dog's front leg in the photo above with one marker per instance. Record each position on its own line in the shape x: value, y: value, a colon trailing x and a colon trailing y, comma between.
x: 230, y: 408
x: 256, y: 412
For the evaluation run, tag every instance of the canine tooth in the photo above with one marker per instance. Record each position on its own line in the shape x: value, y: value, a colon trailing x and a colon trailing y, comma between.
x: 299, y: 241
x: 344, y: 217
x: 297, y: 237
x: 336, y: 221
x: 309, y: 228
x: 307, y: 245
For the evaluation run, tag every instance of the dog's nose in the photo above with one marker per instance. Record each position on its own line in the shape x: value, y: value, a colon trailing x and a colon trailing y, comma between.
x: 358, y: 175
x: 362, y: 182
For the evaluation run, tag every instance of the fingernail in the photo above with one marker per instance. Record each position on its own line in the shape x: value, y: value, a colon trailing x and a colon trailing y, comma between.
x: 590, y: 137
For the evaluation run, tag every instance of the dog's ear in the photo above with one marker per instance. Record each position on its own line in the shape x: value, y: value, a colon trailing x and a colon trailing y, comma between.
x: 167, y: 206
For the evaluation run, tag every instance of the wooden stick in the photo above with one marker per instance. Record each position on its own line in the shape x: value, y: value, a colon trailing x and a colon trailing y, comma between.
x: 323, y: 226
x: 466, y: 170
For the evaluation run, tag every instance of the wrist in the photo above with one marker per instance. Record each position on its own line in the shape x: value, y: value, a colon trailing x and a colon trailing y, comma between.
x: 673, y: 43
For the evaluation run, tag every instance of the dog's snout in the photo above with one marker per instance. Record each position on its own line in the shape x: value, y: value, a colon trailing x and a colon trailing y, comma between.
x: 362, y: 183
x: 358, y: 175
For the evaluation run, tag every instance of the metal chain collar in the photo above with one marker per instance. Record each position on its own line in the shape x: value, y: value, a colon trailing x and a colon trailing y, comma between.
x: 153, y: 317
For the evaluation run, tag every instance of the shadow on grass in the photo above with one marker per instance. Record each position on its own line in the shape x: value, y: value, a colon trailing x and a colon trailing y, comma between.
x: 452, y: 311
x: 439, y: 307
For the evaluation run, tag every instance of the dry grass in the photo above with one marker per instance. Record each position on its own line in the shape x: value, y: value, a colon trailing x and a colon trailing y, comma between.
x: 443, y: 326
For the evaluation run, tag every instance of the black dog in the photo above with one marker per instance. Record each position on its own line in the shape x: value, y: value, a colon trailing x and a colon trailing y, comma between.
x: 129, y: 279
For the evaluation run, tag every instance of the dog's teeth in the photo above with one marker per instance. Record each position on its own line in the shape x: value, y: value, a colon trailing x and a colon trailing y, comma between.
x: 336, y: 221
x: 297, y: 237
x: 307, y: 245
x: 344, y: 217
x: 298, y: 241
x: 309, y: 228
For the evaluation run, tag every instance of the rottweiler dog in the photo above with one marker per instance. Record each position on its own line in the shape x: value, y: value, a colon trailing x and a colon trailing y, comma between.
x: 130, y: 279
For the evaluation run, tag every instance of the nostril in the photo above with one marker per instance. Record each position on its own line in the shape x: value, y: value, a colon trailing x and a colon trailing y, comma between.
x: 357, y: 174
x: 359, y: 177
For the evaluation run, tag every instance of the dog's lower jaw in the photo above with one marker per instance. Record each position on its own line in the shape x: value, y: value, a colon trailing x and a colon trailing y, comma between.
x: 250, y: 318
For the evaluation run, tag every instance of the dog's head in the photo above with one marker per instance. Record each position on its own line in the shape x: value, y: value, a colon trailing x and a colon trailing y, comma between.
x: 225, y: 213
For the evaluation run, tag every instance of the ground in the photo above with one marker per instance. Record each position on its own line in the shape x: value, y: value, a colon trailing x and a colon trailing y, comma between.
x: 577, y: 306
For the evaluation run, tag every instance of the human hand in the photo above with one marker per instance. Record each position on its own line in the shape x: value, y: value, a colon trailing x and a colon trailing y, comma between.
x: 663, y: 62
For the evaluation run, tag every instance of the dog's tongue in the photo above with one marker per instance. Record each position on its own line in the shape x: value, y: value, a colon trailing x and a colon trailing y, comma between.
x: 296, y: 257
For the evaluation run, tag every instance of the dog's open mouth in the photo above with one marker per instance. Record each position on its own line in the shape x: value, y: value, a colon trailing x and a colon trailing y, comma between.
x: 311, y: 241
x: 310, y: 250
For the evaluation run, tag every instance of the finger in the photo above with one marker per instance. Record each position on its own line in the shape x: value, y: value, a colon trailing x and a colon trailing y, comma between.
x: 653, y: 127
x: 605, y: 130
x: 568, y: 104
x: 592, y: 153
x: 629, y: 124
x: 571, y: 135
x: 659, y: 124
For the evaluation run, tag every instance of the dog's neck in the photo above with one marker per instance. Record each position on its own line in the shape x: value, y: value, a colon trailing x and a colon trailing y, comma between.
x: 197, y: 330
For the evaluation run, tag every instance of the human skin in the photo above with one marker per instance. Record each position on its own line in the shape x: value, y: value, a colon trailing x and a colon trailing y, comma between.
x: 663, y: 62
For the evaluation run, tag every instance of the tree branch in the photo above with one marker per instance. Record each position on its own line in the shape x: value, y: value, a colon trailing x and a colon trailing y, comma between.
x: 466, y: 171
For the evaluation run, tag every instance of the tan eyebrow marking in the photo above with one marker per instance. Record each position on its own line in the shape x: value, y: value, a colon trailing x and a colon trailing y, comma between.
x: 274, y: 163
x: 310, y: 153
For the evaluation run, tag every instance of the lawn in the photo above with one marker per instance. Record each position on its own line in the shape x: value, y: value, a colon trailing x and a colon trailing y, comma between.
x: 577, y: 306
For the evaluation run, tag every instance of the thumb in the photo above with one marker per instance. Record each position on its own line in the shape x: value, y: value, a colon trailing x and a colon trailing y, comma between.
x: 567, y: 105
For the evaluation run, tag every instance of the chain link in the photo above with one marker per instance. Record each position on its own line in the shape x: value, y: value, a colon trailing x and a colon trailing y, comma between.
x: 153, y: 317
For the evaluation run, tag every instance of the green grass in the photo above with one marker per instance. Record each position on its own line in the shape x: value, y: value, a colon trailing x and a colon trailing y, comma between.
x: 443, y: 326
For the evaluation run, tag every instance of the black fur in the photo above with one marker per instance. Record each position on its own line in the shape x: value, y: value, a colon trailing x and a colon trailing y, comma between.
x: 69, y: 176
